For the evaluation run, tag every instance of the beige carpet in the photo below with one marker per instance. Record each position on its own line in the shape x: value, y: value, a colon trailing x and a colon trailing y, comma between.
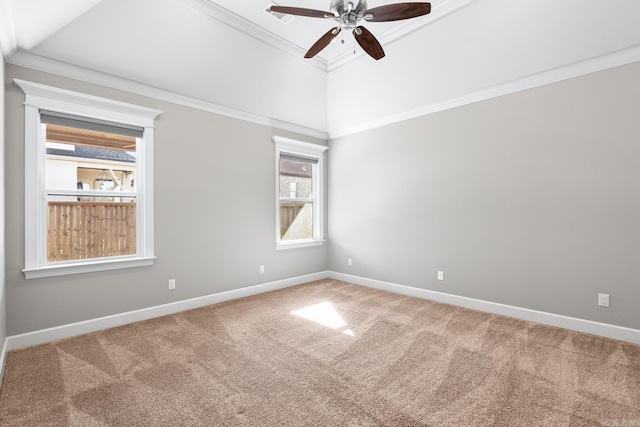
x: 325, y: 354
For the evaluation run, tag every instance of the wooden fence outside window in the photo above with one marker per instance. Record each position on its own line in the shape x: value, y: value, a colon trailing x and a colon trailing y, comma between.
x: 84, y: 230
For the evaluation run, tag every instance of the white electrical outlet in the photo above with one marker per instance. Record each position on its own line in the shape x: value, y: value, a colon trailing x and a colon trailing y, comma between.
x: 440, y: 275
x: 603, y: 300
x: 172, y: 284
x: 261, y: 269
x: 349, y: 261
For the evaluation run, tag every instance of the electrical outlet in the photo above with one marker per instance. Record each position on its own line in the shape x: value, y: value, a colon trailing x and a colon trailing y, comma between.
x: 603, y: 300
x: 349, y: 261
x: 440, y: 275
x: 172, y: 284
x: 261, y: 269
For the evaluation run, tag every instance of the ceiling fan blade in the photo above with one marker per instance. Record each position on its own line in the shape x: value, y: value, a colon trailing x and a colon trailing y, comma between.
x: 323, y: 42
x: 396, y: 12
x: 368, y: 43
x: 300, y: 11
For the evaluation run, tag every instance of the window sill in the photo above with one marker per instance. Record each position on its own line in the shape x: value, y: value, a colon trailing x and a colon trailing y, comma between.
x: 298, y: 244
x: 86, y: 267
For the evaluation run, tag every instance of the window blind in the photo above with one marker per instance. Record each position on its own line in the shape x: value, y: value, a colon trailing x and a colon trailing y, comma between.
x: 86, y: 123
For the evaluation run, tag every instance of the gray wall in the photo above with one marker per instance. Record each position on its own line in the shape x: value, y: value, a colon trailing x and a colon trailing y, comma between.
x: 3, y: 299
x: 530, y: 199
x: 214, y: 216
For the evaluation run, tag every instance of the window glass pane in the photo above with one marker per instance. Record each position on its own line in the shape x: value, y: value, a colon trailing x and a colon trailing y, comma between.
x: 90, y: 227
x: 296, y: 179
x: 296, y: 220
x: 89, y: 160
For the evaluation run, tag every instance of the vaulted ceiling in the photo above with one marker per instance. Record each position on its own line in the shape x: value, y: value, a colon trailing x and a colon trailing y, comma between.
x: 232, y: 57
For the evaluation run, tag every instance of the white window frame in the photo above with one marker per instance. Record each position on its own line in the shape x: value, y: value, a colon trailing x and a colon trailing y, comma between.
x: 40, y: 97
x: 304, y: 150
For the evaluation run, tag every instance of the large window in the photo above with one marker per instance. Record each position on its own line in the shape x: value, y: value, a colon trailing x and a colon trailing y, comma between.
x: 88, y: 183
x: 299, y: 185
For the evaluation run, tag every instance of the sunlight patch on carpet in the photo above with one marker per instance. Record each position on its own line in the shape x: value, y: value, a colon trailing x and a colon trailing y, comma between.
x: 323, y: 314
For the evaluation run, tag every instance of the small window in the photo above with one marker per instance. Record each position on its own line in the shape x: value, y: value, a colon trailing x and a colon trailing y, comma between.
x: 88, y: 183
x: 299, y: 182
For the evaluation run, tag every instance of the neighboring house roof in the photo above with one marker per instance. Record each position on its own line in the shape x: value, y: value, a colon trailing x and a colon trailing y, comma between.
x: 94, y: 153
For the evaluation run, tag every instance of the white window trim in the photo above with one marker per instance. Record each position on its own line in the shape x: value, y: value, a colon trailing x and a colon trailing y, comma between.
x: 303, y: 149
x: 40, y: 97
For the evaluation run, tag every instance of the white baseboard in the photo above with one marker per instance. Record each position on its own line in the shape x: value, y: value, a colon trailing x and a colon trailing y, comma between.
x: 79, y: 328
x: 84, y: 327
x: 581, y: 325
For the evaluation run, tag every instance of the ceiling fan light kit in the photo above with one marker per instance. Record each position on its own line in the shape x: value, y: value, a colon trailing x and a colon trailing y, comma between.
x: 348, y: 15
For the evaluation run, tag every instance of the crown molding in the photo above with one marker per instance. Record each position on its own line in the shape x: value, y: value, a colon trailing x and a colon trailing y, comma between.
x: 595, y: 64
x: 600, y: 63
x: 592, y: 65
x: 29, y: 60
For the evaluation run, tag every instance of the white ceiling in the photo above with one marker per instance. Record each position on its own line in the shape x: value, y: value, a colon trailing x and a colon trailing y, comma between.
x: 33, y: 21
x: 233, y: 58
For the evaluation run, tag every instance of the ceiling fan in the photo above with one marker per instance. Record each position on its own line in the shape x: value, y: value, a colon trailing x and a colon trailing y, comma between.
x: 348, y: 16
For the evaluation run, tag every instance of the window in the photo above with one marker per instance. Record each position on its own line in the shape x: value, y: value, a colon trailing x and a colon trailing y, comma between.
x: 88, y: 183
x: 299, y: 185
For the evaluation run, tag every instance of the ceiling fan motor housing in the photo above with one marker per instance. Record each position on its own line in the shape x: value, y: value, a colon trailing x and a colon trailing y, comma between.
x: 348, y: 12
